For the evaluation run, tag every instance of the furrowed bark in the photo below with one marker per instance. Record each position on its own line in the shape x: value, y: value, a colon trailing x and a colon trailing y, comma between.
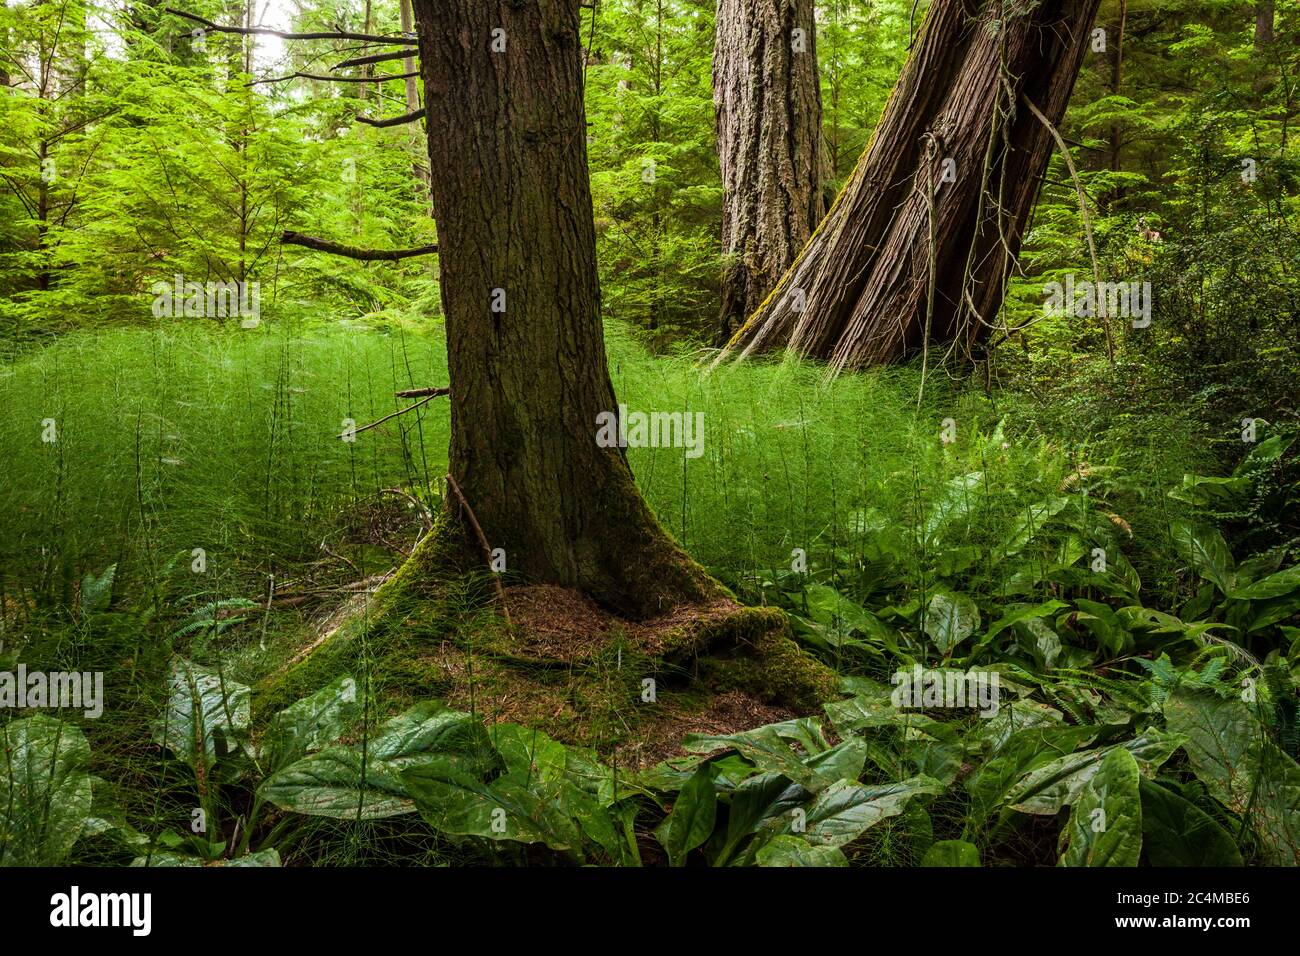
x: 768, y: 110
x: 507, y: 135
x: 859, y: 292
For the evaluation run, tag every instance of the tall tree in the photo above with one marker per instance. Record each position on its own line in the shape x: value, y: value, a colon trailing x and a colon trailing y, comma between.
x: 767, y: 100
x: 919, y: 243
x: 526, y: 355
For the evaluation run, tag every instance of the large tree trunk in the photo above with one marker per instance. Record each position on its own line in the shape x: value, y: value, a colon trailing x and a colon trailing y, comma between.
x: 507, y: 138
x: 769, y: 117
x: 860, y: 292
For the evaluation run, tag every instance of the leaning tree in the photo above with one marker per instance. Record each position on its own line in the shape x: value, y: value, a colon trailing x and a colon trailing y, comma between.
x: 920, y: 242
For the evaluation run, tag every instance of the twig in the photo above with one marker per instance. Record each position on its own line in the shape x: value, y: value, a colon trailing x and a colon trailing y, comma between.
x: 400, y: 411
x: 1083, y: 214
x: 422, y: 392
x: 321, y: 78
x: 483, y: 543
x: 264, y: 31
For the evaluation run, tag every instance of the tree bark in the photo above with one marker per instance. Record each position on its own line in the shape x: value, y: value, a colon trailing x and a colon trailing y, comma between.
x: 768, y: 109
x: 528, y: 376
x: 957, y: 156
x: 1263, y: 25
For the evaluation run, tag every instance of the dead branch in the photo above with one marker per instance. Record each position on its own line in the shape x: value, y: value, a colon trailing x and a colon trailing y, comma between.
x: 483, y: 543
x: 422, y: 392
x: 352, y: 252
x: 405, y: 118
x: 377, y: 78
x: 400, y: 411
x: 377, y: 58
x: 265, y: 31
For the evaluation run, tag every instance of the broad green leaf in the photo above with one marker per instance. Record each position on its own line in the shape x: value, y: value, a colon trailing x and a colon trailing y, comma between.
x: 330, y: 784
x: 1220, y: 736
x: 952, y: 853
x: 309, y: 724
x: 1048, y: 788
x: 769, y: 749
x: 1176, y: 832
x: 1226, y: 494
x: 1017, y: 613
x: 1275, y: 814
x: 206, y: 717
x: 949, y: 619
x: 261, y: 858
x: 1275, y: 585
x: 1105, y: 827
x: 1028, y: 749
x: 1203, y: 547
x: 784, y: 850
x: 511, y: 807
x: 1028, y: 524
x: 957, y: 499
x: 45, y: 793
x: 690, y: 822
x: 97, y: 591
x: 845, y: 810
x: 430, y: 728
x: 753, y: 801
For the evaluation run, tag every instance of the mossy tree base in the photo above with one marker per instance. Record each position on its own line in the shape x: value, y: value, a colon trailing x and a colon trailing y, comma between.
x: 629, y: 689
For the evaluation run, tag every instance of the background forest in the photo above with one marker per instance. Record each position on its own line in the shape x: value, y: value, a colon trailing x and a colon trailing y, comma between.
x: 1114, y: 532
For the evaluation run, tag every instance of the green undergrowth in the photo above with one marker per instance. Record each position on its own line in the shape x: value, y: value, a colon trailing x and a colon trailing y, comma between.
x: 1129, y: 575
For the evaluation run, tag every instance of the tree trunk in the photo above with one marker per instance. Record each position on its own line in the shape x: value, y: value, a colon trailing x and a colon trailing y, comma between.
x: 1115, y: 143
x: 508, y: 138
x: 1263, y: 25
x: 769, y: 116
x: 958, y: 157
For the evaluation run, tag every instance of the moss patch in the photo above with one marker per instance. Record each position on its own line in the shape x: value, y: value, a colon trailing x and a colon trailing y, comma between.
x: 629, y: 689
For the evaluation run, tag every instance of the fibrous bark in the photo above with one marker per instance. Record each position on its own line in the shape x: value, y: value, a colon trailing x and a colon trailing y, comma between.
x: 769, y: 115
x: 927, y: 229
x: 508, y: 138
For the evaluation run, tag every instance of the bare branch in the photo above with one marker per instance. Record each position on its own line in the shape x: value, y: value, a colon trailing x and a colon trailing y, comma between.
x: 376, y: 58
x: 264, y: 31
x: 401, y: 411
x: 352, y: 252
x: 394, y: 120
x: 379, y: 78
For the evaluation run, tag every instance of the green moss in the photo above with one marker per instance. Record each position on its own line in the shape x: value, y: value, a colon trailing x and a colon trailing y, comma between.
x: 775, y: 671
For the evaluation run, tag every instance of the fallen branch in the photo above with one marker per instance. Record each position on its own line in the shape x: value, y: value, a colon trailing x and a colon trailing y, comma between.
x: 400, y: 411
x: 483, y: 543
x: 352, y: 252
x: 394, y: 120
x: 264, y: 31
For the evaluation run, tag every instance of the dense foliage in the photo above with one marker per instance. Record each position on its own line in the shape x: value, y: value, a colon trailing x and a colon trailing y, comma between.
x: 1110, y: 532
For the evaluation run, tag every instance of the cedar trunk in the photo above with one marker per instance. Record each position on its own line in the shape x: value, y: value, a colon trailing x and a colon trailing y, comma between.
x: 507, y: 137
x: 860, y: 292
x: 768, y: 109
